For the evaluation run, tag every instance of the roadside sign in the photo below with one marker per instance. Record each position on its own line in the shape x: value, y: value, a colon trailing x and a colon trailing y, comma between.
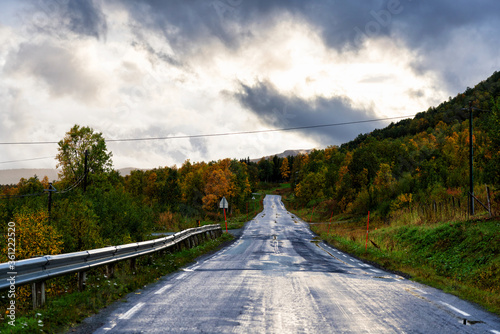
x: 223, y: 203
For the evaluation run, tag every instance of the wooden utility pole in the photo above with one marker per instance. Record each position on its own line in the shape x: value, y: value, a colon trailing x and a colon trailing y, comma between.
x: 85, y: 171
x: 471, y: 162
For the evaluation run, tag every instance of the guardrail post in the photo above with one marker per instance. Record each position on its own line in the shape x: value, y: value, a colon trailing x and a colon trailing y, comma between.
x: 132, y: 264
x: 110, y: 270
x: 82, y: 277
x: 38, y: 294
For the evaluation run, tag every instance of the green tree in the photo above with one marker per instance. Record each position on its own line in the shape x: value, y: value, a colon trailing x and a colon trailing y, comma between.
x: 75, y: 218
x: 266, y: 168
x: 71, y: 154
x: 492, y: 169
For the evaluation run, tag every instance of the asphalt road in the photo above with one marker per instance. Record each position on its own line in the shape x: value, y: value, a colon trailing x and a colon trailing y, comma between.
x: 276, y: 278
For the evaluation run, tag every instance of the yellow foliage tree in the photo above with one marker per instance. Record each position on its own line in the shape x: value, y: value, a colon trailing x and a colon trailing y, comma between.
x: 34, y: 236
x: 285, y: 169
x: 384, y: 182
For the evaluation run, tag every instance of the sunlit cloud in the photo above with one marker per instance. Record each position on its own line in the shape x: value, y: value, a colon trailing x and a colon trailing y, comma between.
x: 139, y: 69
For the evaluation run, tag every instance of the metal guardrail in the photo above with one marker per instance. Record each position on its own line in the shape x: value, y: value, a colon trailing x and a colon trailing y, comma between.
x: 42, y: 268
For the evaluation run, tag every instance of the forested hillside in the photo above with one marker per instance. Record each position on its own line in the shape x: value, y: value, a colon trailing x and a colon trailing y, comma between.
x: 420, y: 160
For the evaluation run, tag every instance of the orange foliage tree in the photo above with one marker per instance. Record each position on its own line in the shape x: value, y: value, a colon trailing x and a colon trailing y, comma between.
x: 219, y: 182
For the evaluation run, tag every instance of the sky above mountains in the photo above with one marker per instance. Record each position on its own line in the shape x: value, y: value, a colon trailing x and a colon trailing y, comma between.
x: 151, y: 68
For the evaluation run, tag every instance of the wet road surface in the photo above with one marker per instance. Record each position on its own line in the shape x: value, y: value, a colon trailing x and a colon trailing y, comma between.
x: 276, y: 278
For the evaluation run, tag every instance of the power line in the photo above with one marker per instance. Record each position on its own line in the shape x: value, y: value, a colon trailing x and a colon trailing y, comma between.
x: 31, y: 159
x: 20, y: 196
x: 67, y: 190
x: 258, y: 131
x: 223, y: 133
x: 73, y: 186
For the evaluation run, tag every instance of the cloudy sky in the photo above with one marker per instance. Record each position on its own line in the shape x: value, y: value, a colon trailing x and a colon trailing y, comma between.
x: 165, y: 68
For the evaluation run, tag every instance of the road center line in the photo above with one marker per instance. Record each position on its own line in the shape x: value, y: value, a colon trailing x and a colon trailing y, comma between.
x: 130, y: 312
x: 465, y: 314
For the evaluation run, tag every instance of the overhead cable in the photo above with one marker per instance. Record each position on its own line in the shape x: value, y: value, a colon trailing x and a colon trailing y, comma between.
x: 223, y: 133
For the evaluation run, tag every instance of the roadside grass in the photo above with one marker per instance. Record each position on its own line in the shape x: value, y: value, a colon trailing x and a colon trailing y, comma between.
x: 461, y: 258
x: 69, y: 308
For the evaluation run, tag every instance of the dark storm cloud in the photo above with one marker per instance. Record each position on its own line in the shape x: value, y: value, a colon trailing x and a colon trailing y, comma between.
x: 56, y: 17
x: 428, y: 24
x: 280, y: 111
x: 342, y: 23
x: 186, y: 22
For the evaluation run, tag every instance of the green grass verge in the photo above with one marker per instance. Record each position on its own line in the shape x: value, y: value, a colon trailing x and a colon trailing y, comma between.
x: 69, y: 309
x: 461, y: 258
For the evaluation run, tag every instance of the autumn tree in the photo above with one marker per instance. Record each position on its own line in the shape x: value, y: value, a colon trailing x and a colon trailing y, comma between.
x: 311, y: 187
x: 34, y: 235
x: 285, y: 169
x: 72, y: 150
x: 384, y: 182
x: 218, y: 183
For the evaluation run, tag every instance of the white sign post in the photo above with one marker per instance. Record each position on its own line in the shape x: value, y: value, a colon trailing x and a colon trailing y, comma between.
x: 224, y: 205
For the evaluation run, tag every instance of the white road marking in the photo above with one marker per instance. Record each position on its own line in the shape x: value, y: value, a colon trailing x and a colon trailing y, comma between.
x: 494, y: 331
x: 465, y: 314
x: 130, y: 312
x: 376, y: 271
x: 181, y: 276
x: 422, y: 292
x: 110, y: 327
x: 162, y: 290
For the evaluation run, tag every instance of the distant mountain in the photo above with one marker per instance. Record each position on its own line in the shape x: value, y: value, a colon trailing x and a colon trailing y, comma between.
x: 285, y: 154
x: 127, y: 170
x: 12, y: 176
